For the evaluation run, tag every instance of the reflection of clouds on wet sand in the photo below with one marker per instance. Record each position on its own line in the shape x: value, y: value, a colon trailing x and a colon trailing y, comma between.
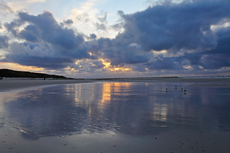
x: 160, y: 112
x: 129, y: 108
x: 48, y: 114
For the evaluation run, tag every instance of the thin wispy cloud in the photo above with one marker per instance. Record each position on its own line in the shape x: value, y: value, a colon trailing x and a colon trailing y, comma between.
x: 4, y: 8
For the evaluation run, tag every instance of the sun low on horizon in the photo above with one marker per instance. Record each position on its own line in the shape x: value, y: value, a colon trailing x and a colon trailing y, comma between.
x: 108, y: 38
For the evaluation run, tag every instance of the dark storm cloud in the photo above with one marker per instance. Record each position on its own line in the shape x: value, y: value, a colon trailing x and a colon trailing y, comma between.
x: 52, y: 32
x: 31, y: 54
x: 223, y: 47
x: 164, y: 64
x: 119, y: 52
x: 30, y: 45
x: 214, y: 61
x: 220, y: 56
x: 4, y: 41
x: 49, y: 44
x: 216, y: 58
x: 139, y: 68
x: 12, y: 27
x: 183, y: 30
x: 30, y: 33
x: 45, y: 62
x: 176, y: 26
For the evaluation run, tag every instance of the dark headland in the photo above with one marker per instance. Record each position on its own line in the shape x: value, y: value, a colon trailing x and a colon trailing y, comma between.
x: 24, y: 74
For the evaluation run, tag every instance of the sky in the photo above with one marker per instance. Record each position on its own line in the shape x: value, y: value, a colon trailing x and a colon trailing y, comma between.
x: 114, y: 38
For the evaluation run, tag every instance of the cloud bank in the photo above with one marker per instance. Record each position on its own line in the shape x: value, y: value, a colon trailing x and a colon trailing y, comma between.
x: 45, y: 42
x: 187, y: 37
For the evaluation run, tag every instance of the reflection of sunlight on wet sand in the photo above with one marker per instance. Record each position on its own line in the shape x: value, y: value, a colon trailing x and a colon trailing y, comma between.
x: 160, y: 112
x: 106, y: 92
x: 118, y: 86
x: 113, y: 88
x: 77, y: 92
x: 68, y: 89
x: 84, y: 95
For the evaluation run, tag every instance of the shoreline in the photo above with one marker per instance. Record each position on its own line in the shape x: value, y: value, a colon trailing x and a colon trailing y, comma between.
x: 12, y: 85
x: 15, y: 84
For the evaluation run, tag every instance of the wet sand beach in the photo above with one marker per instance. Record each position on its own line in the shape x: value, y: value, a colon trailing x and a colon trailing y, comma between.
x: 14, y: 84
x: 116, y: 116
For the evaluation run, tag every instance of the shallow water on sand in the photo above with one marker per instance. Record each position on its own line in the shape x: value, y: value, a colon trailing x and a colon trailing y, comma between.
x: 111, y: 117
